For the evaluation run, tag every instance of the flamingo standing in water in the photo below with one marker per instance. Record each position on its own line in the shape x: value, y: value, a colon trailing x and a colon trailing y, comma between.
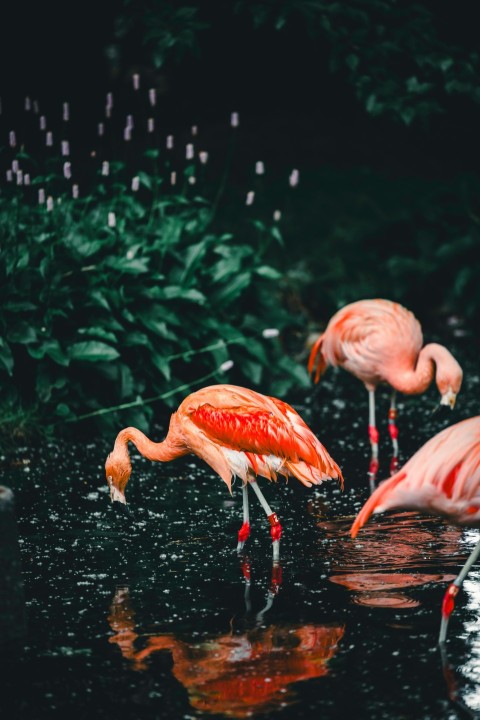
x: 380, y: 341
x: 442, y: 477
x: 237, y: 432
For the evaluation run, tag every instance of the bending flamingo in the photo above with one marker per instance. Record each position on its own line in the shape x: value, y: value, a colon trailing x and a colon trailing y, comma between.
x: 442, y: 477
x: 237, y: 432
x: 380, y: 341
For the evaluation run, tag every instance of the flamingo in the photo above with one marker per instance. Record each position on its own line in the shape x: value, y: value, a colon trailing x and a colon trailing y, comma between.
x: 380, y: 341
x: 237, y: 432
x: 442, y: 477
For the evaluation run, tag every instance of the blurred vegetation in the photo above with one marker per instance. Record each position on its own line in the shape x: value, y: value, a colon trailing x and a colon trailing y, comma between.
x: 401, y: 58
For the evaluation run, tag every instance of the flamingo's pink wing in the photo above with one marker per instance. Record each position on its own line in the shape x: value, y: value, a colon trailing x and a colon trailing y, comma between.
x: 254, y: 430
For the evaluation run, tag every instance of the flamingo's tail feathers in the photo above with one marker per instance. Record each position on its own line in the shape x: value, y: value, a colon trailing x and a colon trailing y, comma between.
x: 310, y: 475
x: 317, y: 359
x: 375, y: 502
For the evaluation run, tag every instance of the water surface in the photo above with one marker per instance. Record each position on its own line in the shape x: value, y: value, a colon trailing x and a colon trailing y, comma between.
x: 154, y: 616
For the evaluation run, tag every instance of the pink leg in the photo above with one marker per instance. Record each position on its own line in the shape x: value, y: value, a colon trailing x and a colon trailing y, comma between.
x: 244, y: 531
x: 393, y: 430
x: 275, y: 527
x: 374, y: 437
x: 453, y: 589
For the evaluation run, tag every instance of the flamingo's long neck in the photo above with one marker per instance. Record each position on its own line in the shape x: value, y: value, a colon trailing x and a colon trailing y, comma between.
x: 168, y: 449
x: 413, y: 381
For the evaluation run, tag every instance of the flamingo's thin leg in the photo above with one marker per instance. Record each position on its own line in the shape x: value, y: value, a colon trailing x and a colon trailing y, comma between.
x: 244, y: 531
x: 453, y: 589
x: 275, y: 527
x: 373, y: 435
x: 393, y: 430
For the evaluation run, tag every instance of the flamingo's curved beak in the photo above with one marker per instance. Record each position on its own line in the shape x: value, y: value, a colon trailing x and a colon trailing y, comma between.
x: 449, y: 398
x: 115, y: 493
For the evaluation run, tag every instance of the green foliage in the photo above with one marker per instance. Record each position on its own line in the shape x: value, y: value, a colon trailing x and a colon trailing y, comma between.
x: 360, y: 234
x: 94, y: 316
x: 393, y: 53
x: 167, y: 29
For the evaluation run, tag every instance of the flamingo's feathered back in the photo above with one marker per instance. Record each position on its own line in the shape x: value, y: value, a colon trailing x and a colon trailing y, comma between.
x: 442, y: 477
x: 224, y: 420
x: 366, y: 337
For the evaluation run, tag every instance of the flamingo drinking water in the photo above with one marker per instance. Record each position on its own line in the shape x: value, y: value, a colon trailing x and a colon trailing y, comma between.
x: 380, y: 341
x: 442, y: 477
x: 237, y: 432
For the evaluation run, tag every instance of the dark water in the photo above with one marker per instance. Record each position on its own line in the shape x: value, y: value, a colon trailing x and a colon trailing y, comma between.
x: 151, y: 616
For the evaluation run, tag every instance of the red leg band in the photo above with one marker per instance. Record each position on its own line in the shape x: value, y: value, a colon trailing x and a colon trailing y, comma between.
x: 373, y: 434
x: 374, y: 465
x: 275, y: 527
x: 246, y: 570
x: 449, y: 600
x: 393, y: 430
x: 276, y: 578
x: 244, y: 532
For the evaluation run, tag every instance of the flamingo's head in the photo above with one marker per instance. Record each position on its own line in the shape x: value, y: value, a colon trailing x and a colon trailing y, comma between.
x: 449, y: 380
x: 118, y: 470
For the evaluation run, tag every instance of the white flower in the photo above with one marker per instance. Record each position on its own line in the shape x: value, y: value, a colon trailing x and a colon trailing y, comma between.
x: 26, y: 179
x: 234, y: 119
x: 294, y: 178
x: 66, y: 112
x: 105, y: 168
x: 112, y: 220
x: 100, y: 129
x: 250, y: 198
x: 67, y: 170
x: 152, y: 96
x: 130, y: 122
x: 277, y: 215
x: 15, y: 166
x: 36, y: 108
x: 43, y: 122
x: 12, y: 138
x: 150, y: 125
x: 270, y: 332
x: 192, y: 180
x: 173, y: 178
x: 127, y: 134
x: 28, y: 104
x: 109, y: 100
x: 41, y: 196
x: 108, y: 112
x: 75, y: 191
x: 203, y: 155
x: 135, y: 183
x: 49, y: 203
x: 9, y: 176
x: 194, y: 130
x: 259, y: 168
x: 19, y: 177
x: 136, y: 81
x: 189, y: 151
x: 225, y: 366
x: 49, y: 139
x: 169, y: 142
x: 65, y: 148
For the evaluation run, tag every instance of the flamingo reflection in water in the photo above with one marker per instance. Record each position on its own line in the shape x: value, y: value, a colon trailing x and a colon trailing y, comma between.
x: 235, y: 674
x: 406, y: 551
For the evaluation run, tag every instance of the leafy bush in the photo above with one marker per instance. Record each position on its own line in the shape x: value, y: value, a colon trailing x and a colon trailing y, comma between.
x: 121, y: 295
